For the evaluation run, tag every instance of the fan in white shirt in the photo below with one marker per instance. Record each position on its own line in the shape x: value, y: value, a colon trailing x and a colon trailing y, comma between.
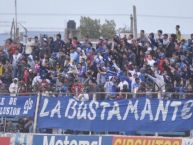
x: 150, y: 60
x: 13, y: 88
x: 16, y: 58
x: 123, y: 83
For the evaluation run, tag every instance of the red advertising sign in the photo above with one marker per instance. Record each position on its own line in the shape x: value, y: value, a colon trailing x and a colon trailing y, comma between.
x: 4, y: 141
x: 146, y: 141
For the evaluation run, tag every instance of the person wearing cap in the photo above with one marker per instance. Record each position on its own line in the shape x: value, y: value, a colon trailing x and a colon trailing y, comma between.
x: 13, y: 88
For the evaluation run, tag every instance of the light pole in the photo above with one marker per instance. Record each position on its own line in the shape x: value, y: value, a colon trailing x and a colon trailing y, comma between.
x: 135, y: 21
x: 25, y: 29
x: 16, y: 29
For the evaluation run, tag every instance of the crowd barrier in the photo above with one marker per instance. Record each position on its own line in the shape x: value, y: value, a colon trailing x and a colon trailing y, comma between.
x: 55, y: 139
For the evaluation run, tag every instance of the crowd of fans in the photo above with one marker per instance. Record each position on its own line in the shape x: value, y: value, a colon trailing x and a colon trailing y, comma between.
x: 151, y: 63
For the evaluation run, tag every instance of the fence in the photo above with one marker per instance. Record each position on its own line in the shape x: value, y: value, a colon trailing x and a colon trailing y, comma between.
x: 95, y: 96
x: 109, y: 95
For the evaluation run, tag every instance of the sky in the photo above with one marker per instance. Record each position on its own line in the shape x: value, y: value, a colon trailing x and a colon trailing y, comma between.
x: 53, y: 15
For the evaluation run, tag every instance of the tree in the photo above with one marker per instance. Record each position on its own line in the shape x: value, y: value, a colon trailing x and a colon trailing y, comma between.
x: 108, y: 29
x: 94, y: 29
x: 124, y: 30
x: 90, y: 27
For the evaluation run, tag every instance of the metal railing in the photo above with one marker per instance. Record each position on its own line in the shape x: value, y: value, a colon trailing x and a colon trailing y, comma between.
x: 97, y: 93
x: 123, y: 95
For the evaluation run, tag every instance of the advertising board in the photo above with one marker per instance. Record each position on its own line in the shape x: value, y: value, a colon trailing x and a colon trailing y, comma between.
x: 128, y: 140
x: 17, y: 138
x: 71, y: 140
x: 4, y: 140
